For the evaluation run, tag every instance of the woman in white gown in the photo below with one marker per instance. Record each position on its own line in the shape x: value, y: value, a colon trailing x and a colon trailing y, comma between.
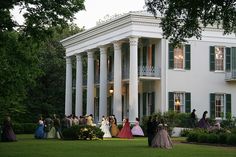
x: 105, y: 127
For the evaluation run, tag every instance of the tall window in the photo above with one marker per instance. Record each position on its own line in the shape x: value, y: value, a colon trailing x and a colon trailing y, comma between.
x: 179, y: 58
x: 219, y: 105
x: 219, y: 58
x: 179, y: 102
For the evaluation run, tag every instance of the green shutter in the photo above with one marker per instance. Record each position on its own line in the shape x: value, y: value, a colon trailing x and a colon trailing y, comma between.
x: 187, y: 102
x: 212, y: 105
x: 187, y: 57
x: 138, y: 57
x: 153, y: 55
x: 233, y: 60
x: 144, y: 103
x: 171, y: 101
x: 228, y: 59
x: 228, y: 103
x: 153, y: 103
x: 144, y: 56
x: 212, y: 58
x: 171, y: 56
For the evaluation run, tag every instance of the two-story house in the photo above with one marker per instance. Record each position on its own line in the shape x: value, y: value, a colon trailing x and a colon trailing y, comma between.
x: 132, y: 71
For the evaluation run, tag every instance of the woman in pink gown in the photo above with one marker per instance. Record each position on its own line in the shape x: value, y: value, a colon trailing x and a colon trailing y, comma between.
x: 125, y: 131
x: 137, y: 130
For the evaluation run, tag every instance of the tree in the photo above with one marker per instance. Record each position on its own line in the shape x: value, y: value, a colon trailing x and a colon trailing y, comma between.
x: 39, y: 15
x: 20, y: 46
x: 47, y: 96
x: 183, y: 19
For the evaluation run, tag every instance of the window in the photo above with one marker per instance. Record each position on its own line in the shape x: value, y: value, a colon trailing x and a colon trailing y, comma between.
x: 220, y: 105
x: 180, y: 101
x: 219, y: 58
x: 180, y: 57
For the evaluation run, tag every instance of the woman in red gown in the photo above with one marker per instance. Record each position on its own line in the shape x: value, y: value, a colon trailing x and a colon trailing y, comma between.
x: 125, y: 131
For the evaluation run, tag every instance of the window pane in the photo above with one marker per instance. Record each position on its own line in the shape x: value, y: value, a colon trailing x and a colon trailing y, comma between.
x: 178, y: 58
x: 219, y: 58
x: 179, y: 102
x: 219, y: 105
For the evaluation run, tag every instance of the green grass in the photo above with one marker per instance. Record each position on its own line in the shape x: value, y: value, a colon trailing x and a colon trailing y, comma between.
x: 27, y: 146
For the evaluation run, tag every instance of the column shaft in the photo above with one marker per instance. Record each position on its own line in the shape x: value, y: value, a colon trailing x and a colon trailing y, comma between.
x: 68, y: 94
x: 90, y: 84
x: 79, y: 86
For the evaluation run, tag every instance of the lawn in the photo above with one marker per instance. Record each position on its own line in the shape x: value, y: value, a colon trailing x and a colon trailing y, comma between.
x: 27, y: 146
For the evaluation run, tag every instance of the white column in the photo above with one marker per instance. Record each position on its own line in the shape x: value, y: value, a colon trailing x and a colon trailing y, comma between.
x: 79, y: 84
x: 103, y: 83
x: 133, y: 79
x: 117, y: 97
x: 68, y: 94
x: 90, y: 84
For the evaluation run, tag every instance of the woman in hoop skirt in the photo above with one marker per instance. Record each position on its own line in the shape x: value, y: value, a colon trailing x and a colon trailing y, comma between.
x: 137, y: 130
x: 125, y: 131
x: 162, y: 138
x: 8, y: 134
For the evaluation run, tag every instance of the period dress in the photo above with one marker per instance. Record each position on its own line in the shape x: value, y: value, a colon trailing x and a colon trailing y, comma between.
x: 114, y: 129
x: 8, y: 134
x: 105, y: 128
x: 39, y: 132
x: 125, y: 131
x: 162, y: 138
x: 137, y: 130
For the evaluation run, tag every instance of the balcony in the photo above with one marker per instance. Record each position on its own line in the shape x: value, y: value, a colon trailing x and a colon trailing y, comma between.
x: 230, y: 75
x: 149, y: 71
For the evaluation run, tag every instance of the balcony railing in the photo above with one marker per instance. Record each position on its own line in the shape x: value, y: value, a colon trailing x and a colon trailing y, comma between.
x: 149, y: 71
x: 230, y: 76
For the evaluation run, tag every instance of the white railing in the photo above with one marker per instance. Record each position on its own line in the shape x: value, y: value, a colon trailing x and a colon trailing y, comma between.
x: 149, y: 71
x: 231, y: 75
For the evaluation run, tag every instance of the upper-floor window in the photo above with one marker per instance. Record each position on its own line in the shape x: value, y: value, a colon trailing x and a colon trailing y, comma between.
x: 219, y: 58
x: 180, y: 57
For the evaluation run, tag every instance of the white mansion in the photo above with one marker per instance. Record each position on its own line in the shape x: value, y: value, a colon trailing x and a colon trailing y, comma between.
x: 133, y: 71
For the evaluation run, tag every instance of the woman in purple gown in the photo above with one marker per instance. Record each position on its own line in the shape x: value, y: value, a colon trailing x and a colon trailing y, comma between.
x: 8, y: 134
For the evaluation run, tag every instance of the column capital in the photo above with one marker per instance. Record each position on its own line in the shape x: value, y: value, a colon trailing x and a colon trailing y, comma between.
x: 90, y: 54
x: 68, y: 59
x: 117, y: 45
x: 133, y: 41
x: 103, y: 49
x: 78, y: 57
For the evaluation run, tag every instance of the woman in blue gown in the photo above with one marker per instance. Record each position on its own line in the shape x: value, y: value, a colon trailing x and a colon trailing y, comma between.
x: 39, y: 132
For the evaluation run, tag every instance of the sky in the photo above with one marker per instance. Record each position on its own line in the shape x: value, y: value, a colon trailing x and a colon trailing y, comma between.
x: 96, y: 10
x: 99, y: 9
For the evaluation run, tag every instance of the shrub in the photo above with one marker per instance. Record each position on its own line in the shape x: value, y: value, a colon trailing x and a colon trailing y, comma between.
x: 212, y: 138
x: 192, y: 137
x: 222, y: 138
x: 82, y: 132
x: 202, y: 137
x: 231, y: 139
x: 185, y: 132
x: 24, y: 128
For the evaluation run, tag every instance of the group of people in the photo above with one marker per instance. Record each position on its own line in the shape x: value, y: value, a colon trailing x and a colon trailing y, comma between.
x: 157, y: 133
x: 203, y: 122
x: 110, y: 128
x: 52, y: 127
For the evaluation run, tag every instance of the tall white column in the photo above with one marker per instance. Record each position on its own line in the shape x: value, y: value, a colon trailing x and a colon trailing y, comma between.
x: 90, y: 84
x: 117, y: 97
x: 68, y: 95
x: 103, y: 83
x: 79, y: 88
x: 133, y: 79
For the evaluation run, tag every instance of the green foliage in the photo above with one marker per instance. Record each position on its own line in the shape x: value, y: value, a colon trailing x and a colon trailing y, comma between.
x: 82, y: 132
x: 39, y: 15
x: 231, y: 139
x: 24, y: 128
x: 212, y: 138
x: 185, y: 19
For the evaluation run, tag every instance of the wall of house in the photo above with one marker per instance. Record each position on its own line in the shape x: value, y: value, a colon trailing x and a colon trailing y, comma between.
x: 200, y: 81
